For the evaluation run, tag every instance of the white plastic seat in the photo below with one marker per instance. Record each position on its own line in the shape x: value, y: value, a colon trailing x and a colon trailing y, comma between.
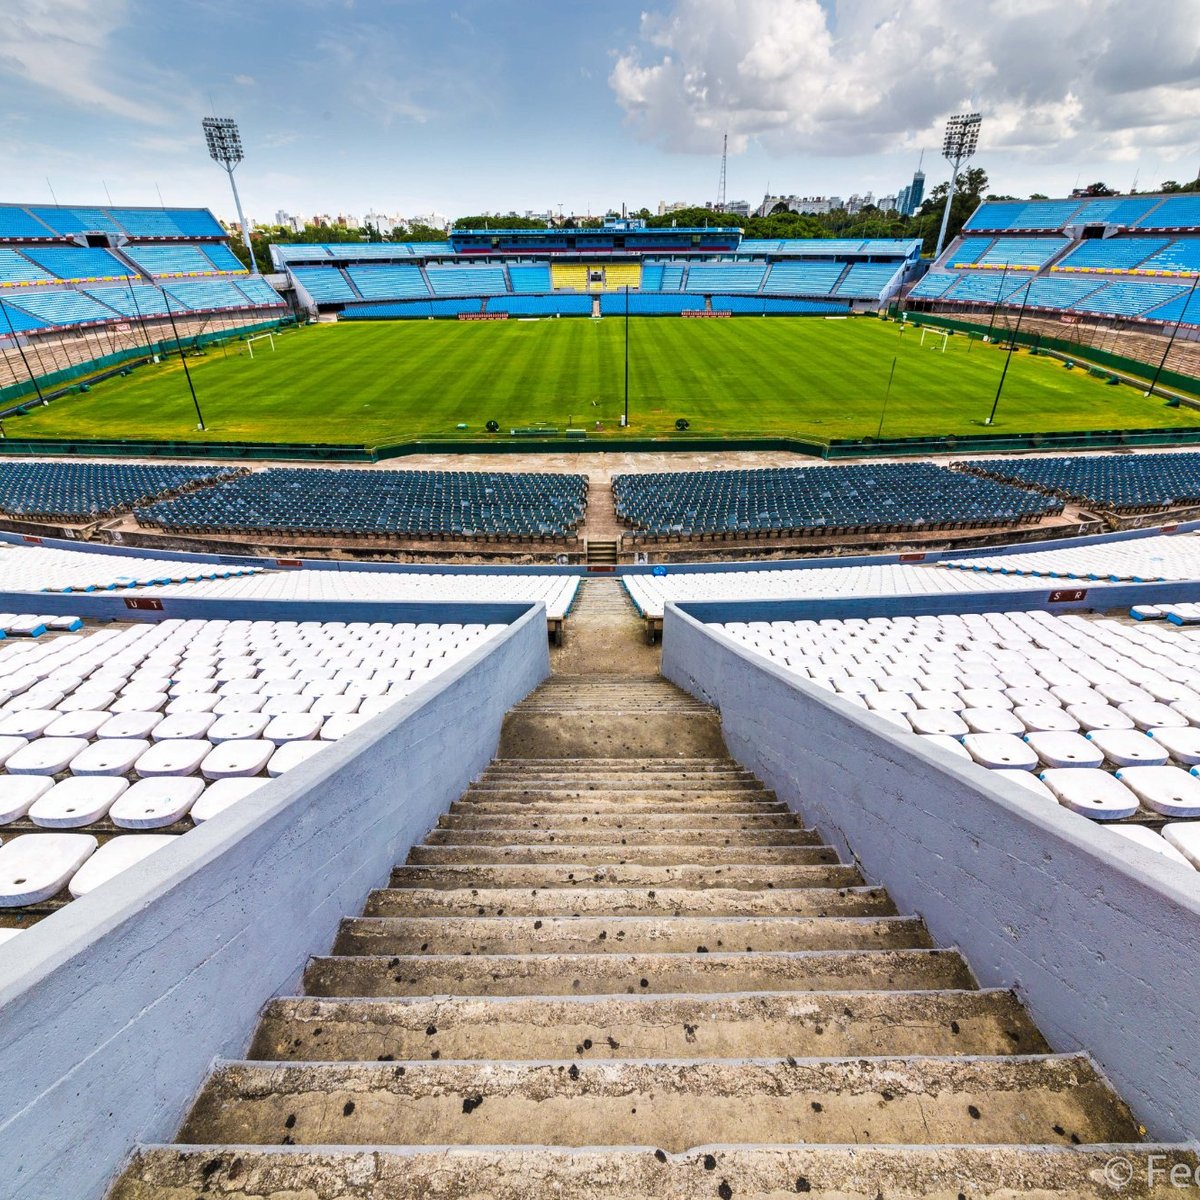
x: 153, y: 803
x: 374, y: 705
x: 140, y: 701
x: 892, y: 717
x: 1098, y: 716
x: 231, y: 760
x: 221, y: 795
x: 331, y: 706
x: 992, y: 720
x: 291, y: 755
x: 237, y: 726
x: 192, y: 686
x: 35, y: 698
x: 939, y: 701
x: 1091, y: 792
x: 1150, y: 714
x: 935, y: 720
x: 1070, y: 694
x: 335, y: 728
x: 240, y: 687
x: 1128, y: 747
x: 9, y: 746
x: 1060, y: 750
x: 1023, y: 697
x: 1029, y: 781
x: 227, y: 705
x: 45, y: 756
x: 31, y: 723
x: 108, y: 756
x: 77, y: 723
x: 1183, y: 745
x: 1171, y: 791
x: 985, y: 698
x: 182, y: 725
x: 133, y: 724
x: 1188, y: 709
x: 179, y: 756
x: 76, y: 802
x: 36, y: 866
x: 1120, y: 691
x: 1000, y: 750
x: 116, y: 855
x: 1185, y: 837
x: 947, y: 743
x: 1151, y: 840
x: 277, y: 706
x: 18, y: 792
x: 1039, y: 718
x: 193, y: 703
x: 292, y: 727
x: 92, y: 699
x: 879, y: 702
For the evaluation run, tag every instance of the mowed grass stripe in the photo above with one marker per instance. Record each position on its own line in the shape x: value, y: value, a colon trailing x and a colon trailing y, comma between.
x: 377, y: 382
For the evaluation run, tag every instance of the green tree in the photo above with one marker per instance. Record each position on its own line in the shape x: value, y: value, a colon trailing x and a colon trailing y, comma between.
x: 509, y: 221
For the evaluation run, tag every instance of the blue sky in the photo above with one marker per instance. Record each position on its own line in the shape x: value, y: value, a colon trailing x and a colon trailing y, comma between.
x: 409, y: 106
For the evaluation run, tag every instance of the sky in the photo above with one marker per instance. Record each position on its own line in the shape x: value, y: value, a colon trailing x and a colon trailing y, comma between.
x: 469, y: 106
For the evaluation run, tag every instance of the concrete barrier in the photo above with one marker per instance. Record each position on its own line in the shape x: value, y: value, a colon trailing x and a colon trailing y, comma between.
x: 1100, y: 937
x: 112, y: 1010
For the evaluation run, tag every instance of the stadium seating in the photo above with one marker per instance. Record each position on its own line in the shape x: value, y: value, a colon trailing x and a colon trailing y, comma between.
x: 466, y: 281
x: 371, y: 503
x: 726, y: 277
x: 672, y: 277
x: 1129, y: 298
x: 1110, y: 254
x: 1183, y: 308
x: 202, y: 294
x: 1122, y: 482
x: 1181, y: 257
x: 222, y: 257
x: 326, y: 286
x: 77, y: 490
x: 1139, y: 560
x: 934, y: 284
x: 1055, y: 291
x: 649, y: 304
x: 985, y: 288
x: 968, y: 252
x: 618, y: 275
x: 130, y: 299
x: 778, y: 305
x: 542, y: 306
x: 573, y: 276
x: 258, y: 291
x: 18, y: 223
x: 1022, y: 214
x: 76, y: 263
x: 1023, y: 253
x: 15, y: 268
x: 533, y: 278
x: 116, y: 736
x: 1122, y: 211
x: 173, y: 260
x: 803, y: 278
x: 61, y: 308
x: 878, y: 497
x: 1175, y: 212
x: 76, y: 220
x: 868, y: 280
x: 1074, y: 701
x: 379, y: 282
x: 44, y: 569
x: 18, y: 321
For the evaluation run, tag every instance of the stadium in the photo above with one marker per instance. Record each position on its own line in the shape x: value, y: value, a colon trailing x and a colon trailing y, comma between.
x: 626, y: 710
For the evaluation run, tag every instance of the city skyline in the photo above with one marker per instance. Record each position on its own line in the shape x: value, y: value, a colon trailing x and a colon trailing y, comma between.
x: 418, y: 108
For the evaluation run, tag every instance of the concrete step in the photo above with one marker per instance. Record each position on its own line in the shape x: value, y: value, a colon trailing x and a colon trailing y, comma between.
x: 597, y: 802
x: 715, y: 822
x: 616, y: 789
x: 648, y: 973
x: 597, y: 854
x: 581, y: 774
x: 643, y: 1173
x: 630, y: 935
x: 1042, y: 1100
x: 612, y: 733
x: 720, y: 763
x: 629, y: 902
x: 744, y: 1025
x: 588, y: 834
x: 566, y: 875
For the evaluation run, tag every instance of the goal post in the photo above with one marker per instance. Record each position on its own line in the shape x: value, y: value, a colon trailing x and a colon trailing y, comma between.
x: 259, y: 337
x: 936, y: 333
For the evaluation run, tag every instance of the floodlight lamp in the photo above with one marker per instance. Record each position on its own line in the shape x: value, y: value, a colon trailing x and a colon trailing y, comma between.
x: 223, y: 140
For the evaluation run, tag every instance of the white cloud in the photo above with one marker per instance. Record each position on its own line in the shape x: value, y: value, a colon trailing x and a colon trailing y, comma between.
x: 69, y: 47
x: 1097, y: 79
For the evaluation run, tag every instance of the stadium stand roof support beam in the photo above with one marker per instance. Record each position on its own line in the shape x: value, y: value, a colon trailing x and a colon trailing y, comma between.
x: 962, y: 136
x: 225, y: 147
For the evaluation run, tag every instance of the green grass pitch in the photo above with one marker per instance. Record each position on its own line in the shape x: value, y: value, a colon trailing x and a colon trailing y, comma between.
x: 379, y: 382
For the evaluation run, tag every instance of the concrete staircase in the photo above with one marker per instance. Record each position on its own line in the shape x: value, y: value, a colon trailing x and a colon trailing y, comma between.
x: 621, y: 967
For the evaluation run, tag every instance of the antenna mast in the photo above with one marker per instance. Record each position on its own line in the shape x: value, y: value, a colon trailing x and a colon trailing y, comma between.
x: 721, y: 185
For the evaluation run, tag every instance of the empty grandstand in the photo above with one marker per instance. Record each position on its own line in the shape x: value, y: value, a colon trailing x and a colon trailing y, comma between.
x: 668, y: 272
x: 437, y: 504
x: 876, y: 498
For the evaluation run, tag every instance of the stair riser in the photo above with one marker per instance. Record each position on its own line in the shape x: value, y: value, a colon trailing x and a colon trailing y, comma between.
x: 636, y: 974
x: 739, y: 1026
x: 715, y: 824
x: 675, y: 1106
x: 549, y: 876
x: 583, y: 835
x: 598, y: 935
x: 624, y: 902
x: 600, y: 855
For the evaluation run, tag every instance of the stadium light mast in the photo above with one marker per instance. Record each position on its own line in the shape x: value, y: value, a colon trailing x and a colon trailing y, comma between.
x: 225, y: 147
x: 958, y: 144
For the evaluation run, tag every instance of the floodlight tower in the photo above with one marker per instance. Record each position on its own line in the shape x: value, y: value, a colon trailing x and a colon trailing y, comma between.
x: 225, y: 147
x: 962, y: 136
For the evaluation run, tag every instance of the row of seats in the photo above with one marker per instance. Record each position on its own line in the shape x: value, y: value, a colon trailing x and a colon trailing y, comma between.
x: 1018, y: 253
x: 1138, y: 560
x: 1140, y: 212
x: 875, y: 497
x: 1097, y: 715
x: 117, y: 732
x: 19, y: 222
x: 365, y: 503
x: 75, y: 491
x: 1121, y: 482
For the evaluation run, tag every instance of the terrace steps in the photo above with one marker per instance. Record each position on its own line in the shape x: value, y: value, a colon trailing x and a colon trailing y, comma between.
x: 638, y: 976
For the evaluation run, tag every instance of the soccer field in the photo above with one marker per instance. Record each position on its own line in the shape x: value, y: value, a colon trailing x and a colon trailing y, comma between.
x: 374, y: 383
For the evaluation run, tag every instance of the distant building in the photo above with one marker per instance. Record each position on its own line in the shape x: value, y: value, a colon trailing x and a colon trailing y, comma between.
x: 799, y: 204
x: 886, y: 204
x: 911, y: 195
x: 665, y: 207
